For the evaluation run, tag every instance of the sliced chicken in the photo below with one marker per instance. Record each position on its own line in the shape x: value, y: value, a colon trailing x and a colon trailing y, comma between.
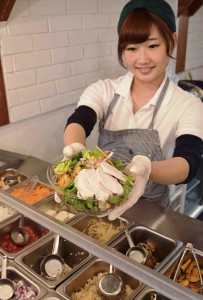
x: 108, y: 169
x: 82, y: 185
x: 101, y: 193
x: 109, y: 182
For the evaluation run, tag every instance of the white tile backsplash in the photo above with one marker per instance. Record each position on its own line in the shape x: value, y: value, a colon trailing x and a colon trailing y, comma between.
x: 50, y: 41
x: 14, y: 45
x: 82, y: 37
x: 68, y: 54
x: 47, y: 7
x: 17, y: 80
x: 25, y: 111
x: 72, y: 83
x: 65, y: 23
x: 53, y: 72
x: 96, y: 21
x: 26, y: 25
x: 85, y: 66
x: 38, y: 92
x: 32, y: 60
x: 82, y: 6
x: 56, y: 102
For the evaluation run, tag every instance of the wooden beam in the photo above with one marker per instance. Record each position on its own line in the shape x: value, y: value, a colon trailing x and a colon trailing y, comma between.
x: 182, y: 41
x: 4, y: 118
x: 183, y: 6
x: 5, y: 9
x: 195, y: 6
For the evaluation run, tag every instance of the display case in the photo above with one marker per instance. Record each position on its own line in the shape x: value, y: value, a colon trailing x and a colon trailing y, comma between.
x: 167, y: 222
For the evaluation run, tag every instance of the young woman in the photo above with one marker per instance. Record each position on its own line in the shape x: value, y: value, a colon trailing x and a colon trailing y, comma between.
x: 143, y: 115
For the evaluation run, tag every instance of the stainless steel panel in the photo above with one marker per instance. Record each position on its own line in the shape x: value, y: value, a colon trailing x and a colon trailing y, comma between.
x: 73, y: 256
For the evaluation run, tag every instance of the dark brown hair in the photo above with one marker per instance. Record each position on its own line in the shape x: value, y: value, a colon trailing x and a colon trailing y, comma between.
x: 136, y: 29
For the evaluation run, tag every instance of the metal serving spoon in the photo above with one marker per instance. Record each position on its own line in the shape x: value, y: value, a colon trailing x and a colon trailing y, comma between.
x: 6, y: 285
x: 111, y: 286
x: 18, y: 234
x: 135, y: 252
x: 53, y: 265
x: 10, y: 180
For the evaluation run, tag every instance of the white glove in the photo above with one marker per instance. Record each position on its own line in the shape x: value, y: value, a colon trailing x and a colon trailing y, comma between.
x: 72, y: 149
x: 140, y: 166
x: 56, y: 198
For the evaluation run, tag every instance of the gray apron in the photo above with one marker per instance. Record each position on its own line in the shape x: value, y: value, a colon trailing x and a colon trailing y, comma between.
x: 130, y: 142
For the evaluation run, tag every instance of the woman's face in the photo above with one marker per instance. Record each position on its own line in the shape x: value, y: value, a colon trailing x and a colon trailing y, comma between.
x: 148, y: 60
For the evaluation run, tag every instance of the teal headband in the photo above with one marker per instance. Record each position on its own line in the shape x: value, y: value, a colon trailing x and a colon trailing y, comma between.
x: 159, y: 7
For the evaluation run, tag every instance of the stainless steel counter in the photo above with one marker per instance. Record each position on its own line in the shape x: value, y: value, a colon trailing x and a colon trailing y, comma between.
x: 168, y: 222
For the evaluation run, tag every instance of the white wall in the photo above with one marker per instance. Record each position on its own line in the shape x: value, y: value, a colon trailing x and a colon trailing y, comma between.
x: 50, y: 51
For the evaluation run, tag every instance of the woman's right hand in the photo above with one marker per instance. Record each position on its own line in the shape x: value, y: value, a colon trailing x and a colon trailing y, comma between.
x: 72, y: 149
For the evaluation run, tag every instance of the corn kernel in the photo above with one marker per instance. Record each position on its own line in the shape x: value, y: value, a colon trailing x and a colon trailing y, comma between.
x: 108, y: 205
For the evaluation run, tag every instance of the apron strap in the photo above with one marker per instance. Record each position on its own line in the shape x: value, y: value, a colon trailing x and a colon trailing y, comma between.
x: 109, y: 111
x: 158, y: 104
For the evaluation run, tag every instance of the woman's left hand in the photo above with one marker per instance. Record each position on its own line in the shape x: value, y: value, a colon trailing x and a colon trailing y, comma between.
x: 140, y: 166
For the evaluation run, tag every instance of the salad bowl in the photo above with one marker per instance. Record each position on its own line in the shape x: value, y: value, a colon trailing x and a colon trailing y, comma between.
x: 92, y: 182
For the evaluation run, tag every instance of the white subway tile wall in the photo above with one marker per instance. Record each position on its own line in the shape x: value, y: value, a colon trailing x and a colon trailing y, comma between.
x: 51, y: 50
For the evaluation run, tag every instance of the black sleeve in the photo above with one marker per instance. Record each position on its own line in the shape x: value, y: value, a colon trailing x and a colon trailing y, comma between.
x: 189, y: 147
x: 85, y: 116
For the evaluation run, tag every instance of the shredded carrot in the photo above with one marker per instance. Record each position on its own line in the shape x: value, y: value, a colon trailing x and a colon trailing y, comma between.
x: 105, y: 155
x: 40, y: 192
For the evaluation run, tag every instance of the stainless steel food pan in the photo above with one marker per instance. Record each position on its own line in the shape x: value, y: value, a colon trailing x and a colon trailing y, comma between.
x: 16, y: 274
x: 28, y: 183
x: 166, y: 247
x: 6, y: 229
x: 187, y: 275
x: 83, y: 222
x: 73, y: 256
x: 88, y: 271
x: 51, y: 205
x: 7, y: 173
x: 12, y: 213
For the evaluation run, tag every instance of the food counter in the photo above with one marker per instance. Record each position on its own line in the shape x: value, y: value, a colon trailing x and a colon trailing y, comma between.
x: 165, y: 221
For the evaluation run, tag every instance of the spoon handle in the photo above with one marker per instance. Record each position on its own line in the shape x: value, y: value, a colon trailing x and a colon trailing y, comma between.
x: 4, y: 267
x: 111, y: 269
x: 21, y: 223
x: 129, y: 238
x: 56, y: 244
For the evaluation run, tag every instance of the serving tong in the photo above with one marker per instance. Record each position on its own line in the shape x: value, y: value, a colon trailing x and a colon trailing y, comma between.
x: 189, y: 248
